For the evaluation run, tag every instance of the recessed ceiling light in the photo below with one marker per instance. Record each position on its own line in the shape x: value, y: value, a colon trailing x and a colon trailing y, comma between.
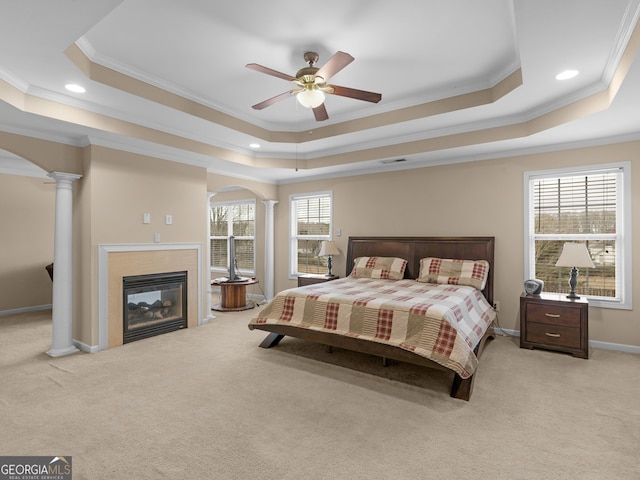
x: 254, y: 145
x: 567, y: 74
x: 72, y: 87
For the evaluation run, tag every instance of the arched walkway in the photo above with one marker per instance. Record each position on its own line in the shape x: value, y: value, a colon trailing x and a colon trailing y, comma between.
x: 269, y: 235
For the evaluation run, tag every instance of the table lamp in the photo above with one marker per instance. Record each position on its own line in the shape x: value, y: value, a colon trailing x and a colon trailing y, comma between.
x: 328, y: 249
x: 574, y: 255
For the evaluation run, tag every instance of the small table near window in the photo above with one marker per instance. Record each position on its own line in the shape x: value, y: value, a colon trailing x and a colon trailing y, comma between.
x: 311, y: 279
x: 233, y: 295
x: 554, y: 322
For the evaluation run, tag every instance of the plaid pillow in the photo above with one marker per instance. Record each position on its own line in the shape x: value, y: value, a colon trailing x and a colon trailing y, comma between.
x: 454, y: 271
x: 391, y: 268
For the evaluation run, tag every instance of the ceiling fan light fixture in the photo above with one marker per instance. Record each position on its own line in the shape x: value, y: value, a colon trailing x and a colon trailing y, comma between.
x: 309, y: 85
x: 310, y: 97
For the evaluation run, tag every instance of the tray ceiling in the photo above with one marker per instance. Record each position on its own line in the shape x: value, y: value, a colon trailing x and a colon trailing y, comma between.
x: 459, y: 80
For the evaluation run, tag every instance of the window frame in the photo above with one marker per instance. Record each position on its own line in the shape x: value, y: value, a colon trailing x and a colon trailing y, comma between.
x: 293, y: 237
x: 229, y: 204
x: 622, y: 236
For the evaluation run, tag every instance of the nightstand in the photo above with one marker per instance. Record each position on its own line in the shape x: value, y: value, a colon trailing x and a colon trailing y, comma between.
x: 311, y: 279
x: 554, y: 322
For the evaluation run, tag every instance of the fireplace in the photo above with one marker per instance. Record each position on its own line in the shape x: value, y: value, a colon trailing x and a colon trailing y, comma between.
x: 153, y: 304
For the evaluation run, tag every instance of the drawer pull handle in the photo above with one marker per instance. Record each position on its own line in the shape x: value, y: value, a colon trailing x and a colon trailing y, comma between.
x: 552, y: 315
x: 554, y: 335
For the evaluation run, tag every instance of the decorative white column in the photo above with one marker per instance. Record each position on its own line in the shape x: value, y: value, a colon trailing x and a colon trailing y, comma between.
x: 269, y: 251
x: 210, y: 316
x: 62, y: 316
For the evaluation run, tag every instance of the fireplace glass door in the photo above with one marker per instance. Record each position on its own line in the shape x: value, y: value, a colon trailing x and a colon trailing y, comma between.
x: 154, y: 304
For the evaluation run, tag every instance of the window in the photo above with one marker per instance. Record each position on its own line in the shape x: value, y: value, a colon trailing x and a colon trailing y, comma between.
x: 238, y: 219
x: 590, y: 206
x: 310, y: 224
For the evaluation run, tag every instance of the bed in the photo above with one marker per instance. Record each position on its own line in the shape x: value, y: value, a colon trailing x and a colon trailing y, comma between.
x: 422, y: 300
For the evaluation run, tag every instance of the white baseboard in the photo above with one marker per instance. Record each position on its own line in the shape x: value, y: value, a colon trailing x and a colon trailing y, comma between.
x: 84, y: 347
x: 618, y: 347
x: 513, y: 333
x: 257, y: 299
x: 15, y: 311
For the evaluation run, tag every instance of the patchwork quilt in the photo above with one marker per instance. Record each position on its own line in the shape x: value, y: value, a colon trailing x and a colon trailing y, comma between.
x: 443, y: 323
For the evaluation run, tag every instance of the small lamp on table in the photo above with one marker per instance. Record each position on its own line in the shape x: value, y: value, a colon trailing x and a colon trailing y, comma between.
x: 574, y: 255
x: 329, y: 249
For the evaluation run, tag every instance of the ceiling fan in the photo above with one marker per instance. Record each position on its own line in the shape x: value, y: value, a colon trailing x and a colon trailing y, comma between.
x: 311, y: 84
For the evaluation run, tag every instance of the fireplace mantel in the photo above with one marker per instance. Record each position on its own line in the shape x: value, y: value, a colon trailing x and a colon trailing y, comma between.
x: 118, y: 260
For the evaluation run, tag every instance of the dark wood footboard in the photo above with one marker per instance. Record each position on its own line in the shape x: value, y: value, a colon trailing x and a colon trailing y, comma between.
x: 460, y: 388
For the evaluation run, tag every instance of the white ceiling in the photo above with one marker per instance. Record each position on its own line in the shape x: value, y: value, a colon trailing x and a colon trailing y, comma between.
x: 413, y: 53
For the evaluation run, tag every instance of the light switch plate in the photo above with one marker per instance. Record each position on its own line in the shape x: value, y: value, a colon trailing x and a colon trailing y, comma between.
x: 146, y: 218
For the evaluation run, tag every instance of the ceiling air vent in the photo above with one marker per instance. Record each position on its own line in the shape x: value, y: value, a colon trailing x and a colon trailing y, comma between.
x: 394, y: 160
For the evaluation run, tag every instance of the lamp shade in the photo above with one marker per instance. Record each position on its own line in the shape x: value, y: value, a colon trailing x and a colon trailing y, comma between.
x: 328, y: 248
x: 310, y: 97
x: 575, y: 255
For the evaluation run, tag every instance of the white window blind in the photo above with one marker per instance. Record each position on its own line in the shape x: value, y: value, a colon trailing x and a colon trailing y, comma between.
x: 587, y: 207
x: 311, y: 216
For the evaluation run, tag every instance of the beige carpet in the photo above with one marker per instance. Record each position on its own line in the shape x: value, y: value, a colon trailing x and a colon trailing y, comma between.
x: 207, y: 403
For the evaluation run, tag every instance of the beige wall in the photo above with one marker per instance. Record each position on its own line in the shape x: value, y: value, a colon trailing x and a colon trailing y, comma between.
x: 48, y: 155
x: 477, y: 198
x: 117, y: 189
x: 124, y: 186
x: 27, y: 211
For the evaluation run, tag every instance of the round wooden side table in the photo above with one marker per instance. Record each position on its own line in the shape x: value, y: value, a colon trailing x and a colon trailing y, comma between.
x: 233, y: 294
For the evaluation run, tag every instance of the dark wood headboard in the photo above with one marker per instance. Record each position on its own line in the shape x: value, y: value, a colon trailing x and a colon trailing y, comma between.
x: 412, y: 249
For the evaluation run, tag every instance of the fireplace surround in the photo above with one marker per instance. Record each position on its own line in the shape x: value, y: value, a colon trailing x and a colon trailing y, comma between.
x: 153, y: 304
x: 116, y: 261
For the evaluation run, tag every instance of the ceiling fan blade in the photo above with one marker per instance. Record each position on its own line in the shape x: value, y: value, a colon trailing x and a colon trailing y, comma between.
x: 269, y: 71
x: 334, y: 65
x: 272, y: 100
x: 320, y: 112
x: 357, y: 94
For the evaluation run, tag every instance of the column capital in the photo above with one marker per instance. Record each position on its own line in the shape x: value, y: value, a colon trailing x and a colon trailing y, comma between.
x: 270, y: 202
x: 61, y: 176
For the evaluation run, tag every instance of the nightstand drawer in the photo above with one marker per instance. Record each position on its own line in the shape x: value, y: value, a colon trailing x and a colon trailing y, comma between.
x: 553, y: 314
x: 556, y: 335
